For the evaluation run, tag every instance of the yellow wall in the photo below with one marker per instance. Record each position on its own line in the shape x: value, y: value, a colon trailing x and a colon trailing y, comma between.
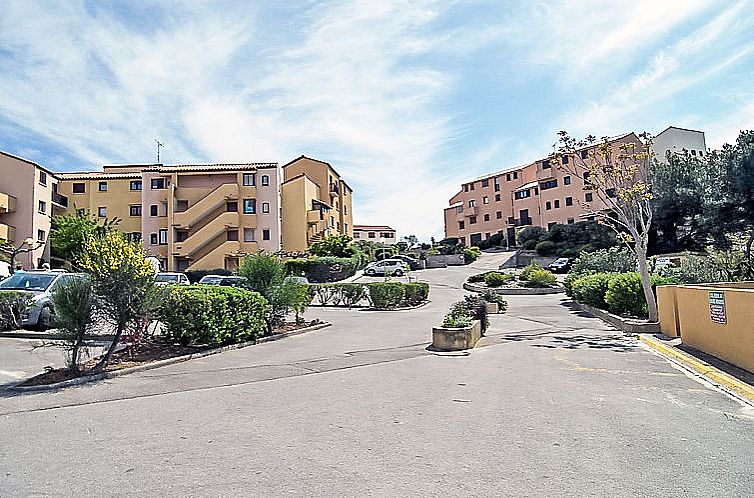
x: 296, y: 200
x: 668, y: 310
x: 117, y: 199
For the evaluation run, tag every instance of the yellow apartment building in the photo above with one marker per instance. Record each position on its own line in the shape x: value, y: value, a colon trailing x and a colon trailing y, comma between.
x: 316, y: 202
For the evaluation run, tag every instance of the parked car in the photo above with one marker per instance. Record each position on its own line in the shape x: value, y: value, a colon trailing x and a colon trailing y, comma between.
x: 412, y: 263
x: 167, y: 278
x: 298, y: 280
x: 560, y: 265
x: 223, y: 280
x: 41, y: 284
x: 390, y: 266
x: 4, y: 270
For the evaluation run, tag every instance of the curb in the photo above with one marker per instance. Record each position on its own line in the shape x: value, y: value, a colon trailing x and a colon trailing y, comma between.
x: 627, y: 325
x: 515, y: 291
x: 409, y: 308
x: 163, y: 363
x: 730, y: 384
x: 51, y: 336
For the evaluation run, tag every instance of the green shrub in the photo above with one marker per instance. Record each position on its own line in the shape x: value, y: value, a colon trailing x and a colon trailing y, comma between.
x: 325, y: 269
x: 212, y: 315
x: 570, y: 279
x: 545, y: 248
x: 477, y: 307
x: 496, y: 278
x: 615, y: 259
x: 479, y: 277
x: 458, y: 317
x: 350, y: 294
x: 526, y: 272
x: 494, y: 297
x: 591, y: 288
x: 696, y: 270
x: 14, y: 305
x: 531, y: 236
x: 625, y: 295
x: 387, y: 295
x: 470, y: 254
x: 416, y: 293
x: 529, y: 245
x: 541, y: 278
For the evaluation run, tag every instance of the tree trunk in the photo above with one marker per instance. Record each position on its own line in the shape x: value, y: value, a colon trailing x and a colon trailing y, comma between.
x: 646, y: 284
x: 103, y: 361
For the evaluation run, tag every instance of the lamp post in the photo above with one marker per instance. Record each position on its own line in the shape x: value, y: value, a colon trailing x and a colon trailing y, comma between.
x: 26, y: 246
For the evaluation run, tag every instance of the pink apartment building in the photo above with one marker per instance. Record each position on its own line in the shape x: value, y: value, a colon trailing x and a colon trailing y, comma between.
x: 537, y: 194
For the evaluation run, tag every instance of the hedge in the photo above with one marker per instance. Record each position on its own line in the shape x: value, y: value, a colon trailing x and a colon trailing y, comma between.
x: 619, y: 293
x: 379, y: 294
x: 416, y: 293
x: 591, y: 288
x: 496, y: 278
x: 324, y: 269
x: 387, y: 295
x: 212, y: 315
x: 13, y: 308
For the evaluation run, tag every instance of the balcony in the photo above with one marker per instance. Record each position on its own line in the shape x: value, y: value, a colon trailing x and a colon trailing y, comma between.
x: 59, y: 200
x: 334, y: 189
x: 471, y: 211
x: 206, y: 206
x: 520, y: 222
x: 198, y: 239
x: 7, y: 233
x: 314, y: 216
x: 7, y: 203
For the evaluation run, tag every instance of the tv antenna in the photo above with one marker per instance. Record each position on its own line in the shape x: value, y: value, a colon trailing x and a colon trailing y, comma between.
x: 159, y: 144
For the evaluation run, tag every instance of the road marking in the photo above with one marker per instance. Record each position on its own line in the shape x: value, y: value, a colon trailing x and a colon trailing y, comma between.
x: 14, y: 374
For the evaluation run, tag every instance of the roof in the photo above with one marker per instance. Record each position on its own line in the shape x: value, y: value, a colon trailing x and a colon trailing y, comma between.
x: 46, y: 170
x: 500, y: 172
x: 527, y: 186
x: 372, y: 227
x: 678, y: 128
x: 321, y: 162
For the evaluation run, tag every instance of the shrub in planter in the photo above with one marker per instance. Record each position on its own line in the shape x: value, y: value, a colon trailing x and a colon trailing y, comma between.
x: 591, y: 288
x: 477, y: 307
x: 387, y: 294
x: 496, y: 279
x: 545, y: 248
x: 493, y: 297
x: 479, y: 277
x: 625, y: 295
x: 470, y: 254
x: 209, y: 315
x: 13, y: 308
x: 526, y: 272
x: 458, y: 317
x: 540, y: 277
x: 416, y: 293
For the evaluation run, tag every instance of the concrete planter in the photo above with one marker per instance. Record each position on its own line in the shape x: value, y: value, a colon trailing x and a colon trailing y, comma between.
x: 627, y: 325
x: 456, y: 339
x: 492, y: 308
x: 515, y: 291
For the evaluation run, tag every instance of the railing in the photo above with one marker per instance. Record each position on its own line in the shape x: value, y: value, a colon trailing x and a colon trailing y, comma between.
x: 7, y: 203
x: 59, y: 199
x: 334, y: 189
x: 471, y: 211
x: 520, y: 222
x: 207, y: 205
x: 314, y: 216
x: 7, y: 233
x: 198, y: 239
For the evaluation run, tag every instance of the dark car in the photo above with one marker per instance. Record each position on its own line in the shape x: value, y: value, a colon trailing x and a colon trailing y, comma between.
x: 413, y: 264
x: 560, y: 265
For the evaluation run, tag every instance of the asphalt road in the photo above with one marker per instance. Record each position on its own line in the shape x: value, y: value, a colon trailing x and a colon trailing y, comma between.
x: 551, y: 403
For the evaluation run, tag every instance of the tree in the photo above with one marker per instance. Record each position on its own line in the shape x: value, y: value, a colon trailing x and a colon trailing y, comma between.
x: 123, y: 281
x: 74, y: 315
x: 617, y: 174
x: 339, y: 246
x: 411, y: 240
x: 69, y: 233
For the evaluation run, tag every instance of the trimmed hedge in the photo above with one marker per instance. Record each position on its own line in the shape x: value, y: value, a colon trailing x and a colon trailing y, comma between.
x: 387, y: 295
x: 591, y: 288
x: 324, y: 269
x: 13, y: 308
x: 619, y: 293
x: 416, y: 293
x: 212, y: 315
x: 380, y: 294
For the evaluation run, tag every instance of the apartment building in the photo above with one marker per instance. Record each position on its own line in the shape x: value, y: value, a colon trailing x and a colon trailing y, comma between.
x: 536, y: 194
x: 677, y: 140
x: 316, y: 202
x: 28, y: 198
x: 382, y: 234
x: 190, y: 216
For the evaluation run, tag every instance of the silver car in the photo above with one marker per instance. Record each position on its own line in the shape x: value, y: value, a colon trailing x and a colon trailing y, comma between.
x: 41, y: 285
x: 393, y: 267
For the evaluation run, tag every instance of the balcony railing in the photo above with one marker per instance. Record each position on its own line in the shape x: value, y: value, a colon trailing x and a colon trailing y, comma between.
x: 520, y: 222
x: 7, y: 203
x: 471, y: 211
x: 334, y: 189
x: 59, y: 199
x: 7, y: 233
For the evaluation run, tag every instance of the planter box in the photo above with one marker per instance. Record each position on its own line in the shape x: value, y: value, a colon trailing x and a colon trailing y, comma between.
x: 456, y: 339
x: 627, y: 325
x: 493, y: 308
x: 515, y: 291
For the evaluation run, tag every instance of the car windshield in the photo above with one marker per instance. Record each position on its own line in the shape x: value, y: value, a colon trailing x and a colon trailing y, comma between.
x: 561, y: 261
x: 210, y: 280
x: 27, y: 281
x: 167, y: 278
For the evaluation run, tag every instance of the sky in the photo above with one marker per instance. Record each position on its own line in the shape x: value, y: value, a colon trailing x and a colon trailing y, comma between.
x: 406, y: 99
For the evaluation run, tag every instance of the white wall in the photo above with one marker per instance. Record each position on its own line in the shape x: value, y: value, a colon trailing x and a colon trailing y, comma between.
x: 675, y: 140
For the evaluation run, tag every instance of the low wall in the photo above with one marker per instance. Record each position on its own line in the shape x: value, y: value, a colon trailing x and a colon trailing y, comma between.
x: 627, y: 325
x: 444, y: 260
x: 525, y: 258
x: 667, y: 308
x: 718, y: 320
x: 515, y: 291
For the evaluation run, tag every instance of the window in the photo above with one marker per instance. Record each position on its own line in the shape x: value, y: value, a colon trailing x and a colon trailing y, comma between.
x: 522, y: 194
x: 134, y: 210
x: 584, y: 154
x: 163, y: 236
x: 465, y: 188
x: 549, y: 184
x: 181, y: 205
x: 345, y: 227
x: 356, y: 235
x: 153, y: 210
x: 485, y: 200
x: 101, y: 212
x: 497, y: 184
x: 499, y: 215
x: 135, y: 185
x: 102, y: 186
x: 387, y: 235
x: 546, y: 164
x: 249, y: 235
x: 548, y: 205
x: 158, y: 183
x: 485, y: 183
x: 486, y: 217
x: 610, y: 192
x: 265, y: 207
x: 551, y: 225
x: 249, y: 206
x: 471, y: 186
x: 569, y: 201
x: 497, y: 197
x: 79, y: 188
x: 693, y: 153
x: 41, y: 235
x: 472, y: 220
x: 345, y: 210
x: 588, y: 197
x: 42, y: 207
x: 487, y: 235
x: 332, y: 221
x: 570, y: 221
x: 232, y: 234
x: 515, y: 175
x: 181, y: 235
x: 249, y: 179
x: 134, y: 236
x: 266, y: 234
x: 564, y: 159
x: 461, y: 225
x: 372, y: 235
x: 556, y: 203
x: 472, y: 203
x: 566, y: 180
x: 43, y: 178
x: 536, y: 190
x: 507, y: 177
x: 153, y: 239
x: 265, y: 181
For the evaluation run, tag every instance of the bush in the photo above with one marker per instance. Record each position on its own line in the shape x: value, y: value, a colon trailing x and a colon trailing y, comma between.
x: 496, y: 278
x: 615, y: 259
x: 340, y: 246
x: 212, y: 315
x: 387, y: 295
x: 470, y: 254
x: 324, y: 269
x: 541, y: 278
x: 416, y: 293
x: 479, y: 277
x: 74, y: 303
x: 625, y: 295
x: 349, y: 294
x: 696, y: 270
x: 14, y: 305
x: 529, y: 245
x: 570, y: 279
x: 494, y: 297
x: 458, y: 317
x: 477, y: 307
x: 195, y: 275
x: 591, y: 288
x: 531, y: 236
x: 545, y: 248
x: 527, y: 271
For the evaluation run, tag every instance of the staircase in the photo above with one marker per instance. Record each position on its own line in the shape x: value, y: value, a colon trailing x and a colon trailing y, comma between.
x: 207, y: 205
x: 206, y: 234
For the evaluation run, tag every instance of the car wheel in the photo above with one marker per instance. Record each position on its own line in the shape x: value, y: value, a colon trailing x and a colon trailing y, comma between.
x: 44, y: 321
x: 370, y: 273
x: 398, y: 273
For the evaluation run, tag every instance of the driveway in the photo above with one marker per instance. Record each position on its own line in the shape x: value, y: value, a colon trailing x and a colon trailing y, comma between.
x: 551, y: 403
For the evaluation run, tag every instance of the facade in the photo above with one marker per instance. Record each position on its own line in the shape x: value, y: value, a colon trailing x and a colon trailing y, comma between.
x: 677, y: 140
x: 28, y: 198
x: 382, y: 234
x: 316, y: 202
x: 537, y: 194
x: 188, y: 216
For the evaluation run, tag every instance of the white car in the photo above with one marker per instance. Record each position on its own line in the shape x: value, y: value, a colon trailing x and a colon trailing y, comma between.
x: 168, y: 278
x: 40, y: 285
x: 392, y: 267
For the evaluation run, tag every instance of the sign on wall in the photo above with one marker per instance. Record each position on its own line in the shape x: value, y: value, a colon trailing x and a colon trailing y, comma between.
x: 717, y: 312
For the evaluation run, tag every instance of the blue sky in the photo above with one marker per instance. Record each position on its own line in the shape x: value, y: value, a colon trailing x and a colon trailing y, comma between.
x: 405, y: 98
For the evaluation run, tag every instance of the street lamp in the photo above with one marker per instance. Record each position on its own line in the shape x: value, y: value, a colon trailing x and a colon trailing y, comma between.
x: 26, y: 246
